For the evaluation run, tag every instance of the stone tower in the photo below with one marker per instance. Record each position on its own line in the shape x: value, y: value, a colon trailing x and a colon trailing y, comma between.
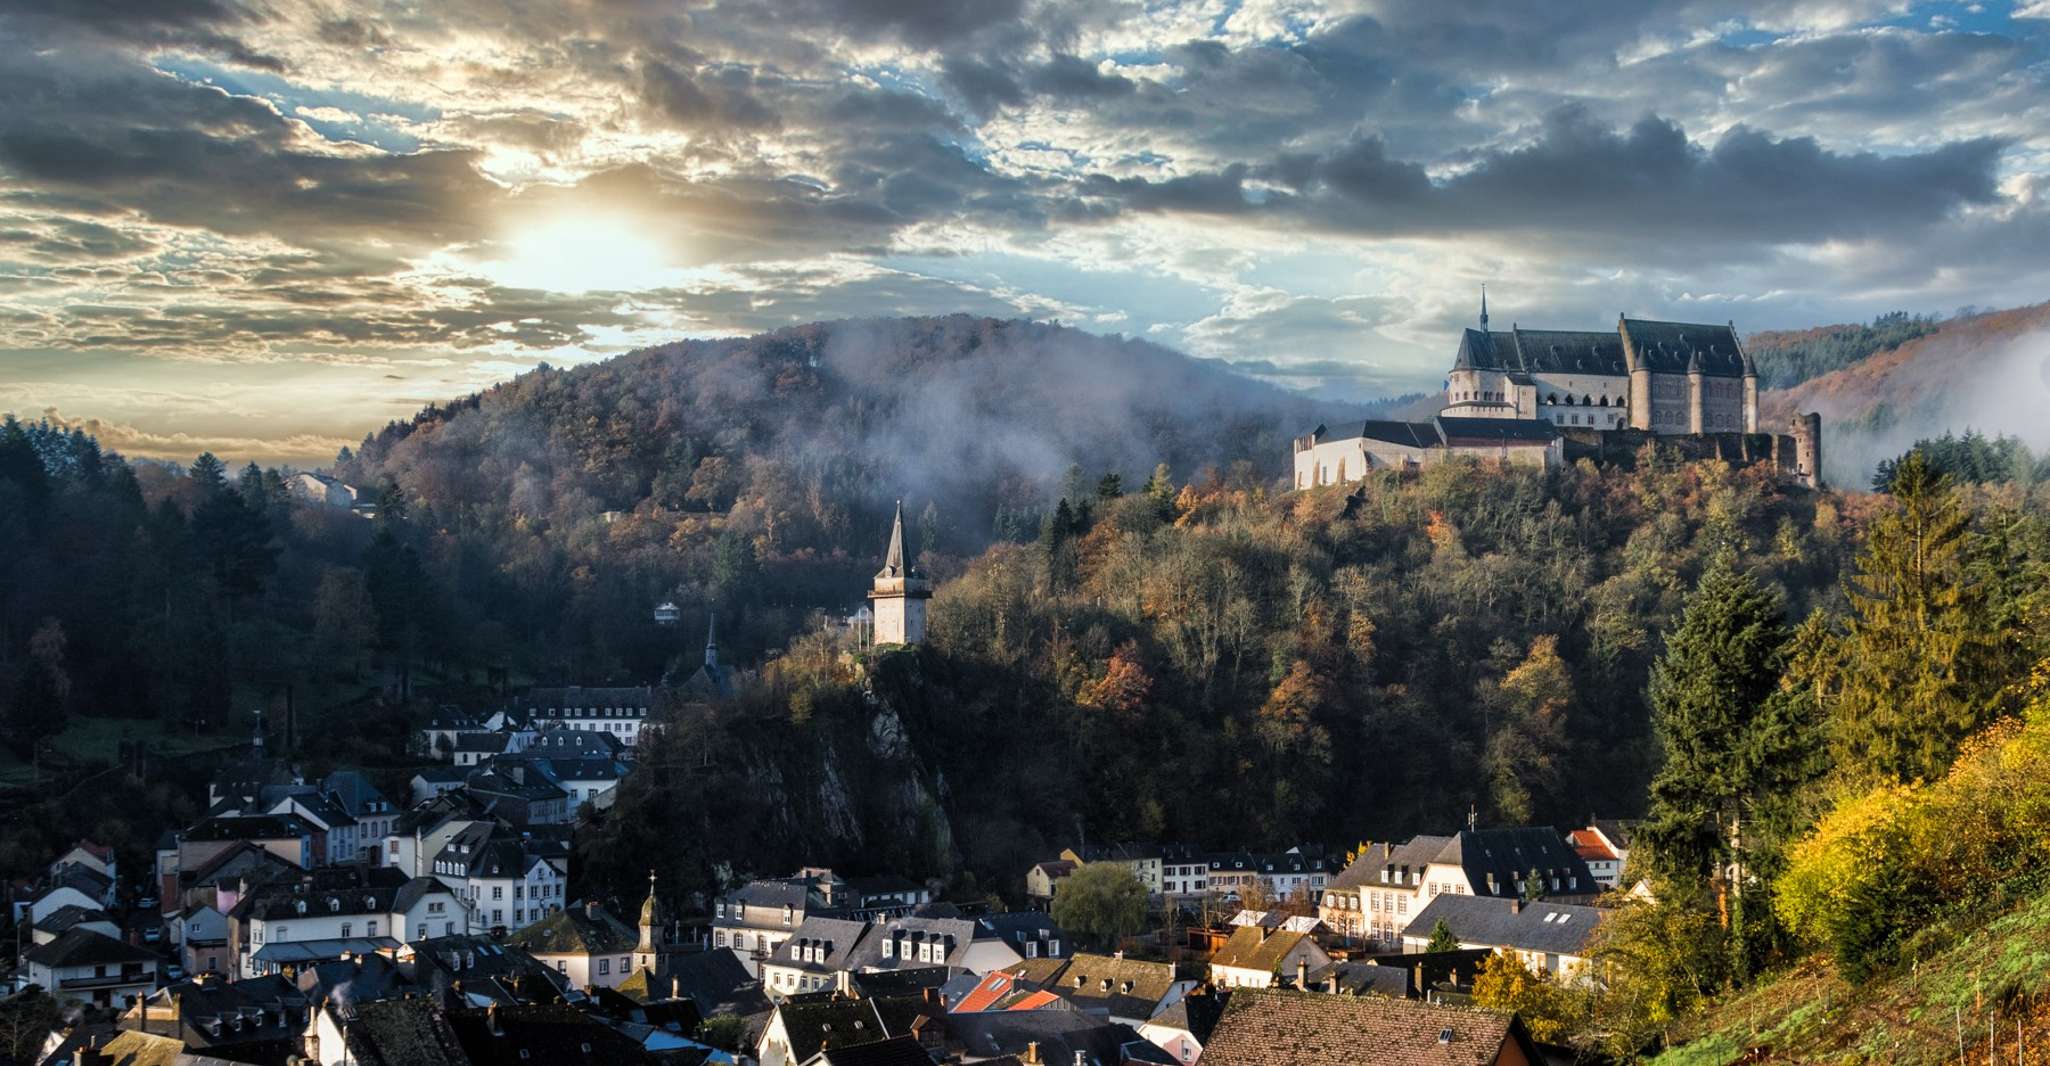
x: 1697, y: 395
x: 1640, y: 382
x: 1807, y: 430
x: 1750, y: 384
x: 652, y: 953
x: 899, y: 592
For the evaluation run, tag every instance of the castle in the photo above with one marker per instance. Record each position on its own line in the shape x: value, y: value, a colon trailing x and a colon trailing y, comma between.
x: 1544, y: 397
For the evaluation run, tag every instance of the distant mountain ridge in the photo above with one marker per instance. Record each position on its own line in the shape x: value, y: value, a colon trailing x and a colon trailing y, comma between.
x: 1988, y: 371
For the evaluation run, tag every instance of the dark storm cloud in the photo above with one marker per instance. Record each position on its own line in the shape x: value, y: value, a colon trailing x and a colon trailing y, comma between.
x: 194, y: 155
x: 712, y: 99
x: 206, y: 26
x: 1582, y: 182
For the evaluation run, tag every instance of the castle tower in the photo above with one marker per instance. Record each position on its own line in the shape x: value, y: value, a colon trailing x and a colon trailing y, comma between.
x: 1697, y: 388
x: 651, y: 953
x: 1807, y: 429
x: 1750, y: 385
x: 899, y: 592
x: 1640, y: 379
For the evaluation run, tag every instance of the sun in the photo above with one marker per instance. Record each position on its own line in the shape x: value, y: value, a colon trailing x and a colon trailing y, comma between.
x: 582, y: 253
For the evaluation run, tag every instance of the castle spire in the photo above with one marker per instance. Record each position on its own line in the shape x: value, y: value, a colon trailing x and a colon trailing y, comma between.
x: 1484, y: 305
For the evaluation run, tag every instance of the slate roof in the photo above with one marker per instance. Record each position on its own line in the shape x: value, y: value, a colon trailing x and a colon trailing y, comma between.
x: 1495, y: 859
x: 716, y: 980
x: 810, y: 1024
x: 1249, y: 949
x: 82, y: 878
x: 1269, y: 1028
x: 577, y: 929
x: 483, y: 743
x: 906, y: 934
x: 400, y: 1032
x: 1383, y: 863
x: 1409, y: 434
x: 1059, y: 1034
x: 84, y: 947
x: 1195, y: 1013
x: 1512, y: 431
x: 1121, y: 988
x: 838, y: 940
x: 561, y: 740
x: 1663, y: 347
x: 337, y: 890
x: 896, y: 1051
x: 1558, y: 928
x: 250, y: 827
x: 545, y: 699
x: 542, y: 1034
x: 1361, y: 979
x: 72, y: 914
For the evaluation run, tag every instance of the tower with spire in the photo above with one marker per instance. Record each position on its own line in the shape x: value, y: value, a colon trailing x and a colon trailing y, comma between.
x: 651, y: 953
x: 1484, y: 307
x: 899, y: 592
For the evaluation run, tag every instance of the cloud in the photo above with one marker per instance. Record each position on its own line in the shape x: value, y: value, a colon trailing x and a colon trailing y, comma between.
x: 136, y: 442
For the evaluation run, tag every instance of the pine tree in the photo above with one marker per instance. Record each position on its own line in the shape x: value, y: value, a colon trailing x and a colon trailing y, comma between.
x: 1442, y: 938
x: 1918, y: 667
x: 209, y: 473
x: 1734, y: 745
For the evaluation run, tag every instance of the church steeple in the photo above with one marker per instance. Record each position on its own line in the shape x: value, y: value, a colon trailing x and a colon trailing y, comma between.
x: 893, y: 560
x: 899, y: 592
x: 1484, y: 306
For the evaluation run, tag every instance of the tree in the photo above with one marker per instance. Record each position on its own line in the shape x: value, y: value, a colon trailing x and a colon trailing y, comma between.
x: 1916, y: 669
x: 1101, y: 903
x: 209, y: 473
x: 1527, y: 744
x: 250, y: 485
x: 1732, y: 740
x: 1549, y: 1009
x: 1442, y: 938
x: 344, y: 616
x: 1659, y: 963
x: 1110, y: 486
x: 1160, y: 491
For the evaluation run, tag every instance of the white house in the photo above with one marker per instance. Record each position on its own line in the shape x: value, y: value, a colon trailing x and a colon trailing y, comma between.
x: 321, y: 490
x: 319, y: 919
x: 1546, y: 937
x: 1259, y: 957
x: 90, y: 967
x: 505, y: 885
x: 622, y: 712
x: 584, y: 943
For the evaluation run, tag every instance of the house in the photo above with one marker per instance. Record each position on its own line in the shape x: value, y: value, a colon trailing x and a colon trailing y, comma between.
x: 583, y: 942
x: 818, y: 955
x: 431, y: 782
x: 1380, y: 894
x: 1183, y: 1027
x: 1144, y: 860
x: 560, y: 741
x: 1258, y: 957
x: 257, y: 1020
x: 335, y: 913
x: 1605, y: 846
x: 716, y: 980
x: 72, y: 886
x: 89, y: 854
x: 321, y: 490
x: 1546, y: 937
x: 798, y: 1030
x: 977, y: 945
x: 335, y: 828
x: 502, y: 881
x: 201, y: 933
x: 362, y: 800
x: 1044, y: 879
x: 417, y: 835
x: 896, y: 1051
x: 622, y: 712
x: 287, y: 836
x: 473, y: 749
x: 582, y: 778
x: 224, y: 879
x: 478, y: 971
x: 1279, y: 1028
x: 1184, y: 873
x: 69, y: 917
x: 1054, y: 1037
x: 756, y: 917
x: 518, y: 794
x: 1131, y: 991
x: 91, y: 967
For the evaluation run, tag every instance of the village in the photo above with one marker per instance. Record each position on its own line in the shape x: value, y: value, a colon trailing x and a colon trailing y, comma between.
x: 323, y: 921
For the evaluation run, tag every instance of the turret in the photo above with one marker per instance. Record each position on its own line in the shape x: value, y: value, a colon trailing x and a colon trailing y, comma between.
x: 1807, y: 430
x: 1640, y: 378
x: 1697, y: 388
x: 1750, y: 384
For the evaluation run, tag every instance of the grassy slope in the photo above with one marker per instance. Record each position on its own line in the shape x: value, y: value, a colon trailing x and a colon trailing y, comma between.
x: 1998, y: 973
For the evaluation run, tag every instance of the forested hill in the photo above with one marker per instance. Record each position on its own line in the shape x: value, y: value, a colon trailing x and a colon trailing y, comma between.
x: 758, y: 473
x: 1914, y: 379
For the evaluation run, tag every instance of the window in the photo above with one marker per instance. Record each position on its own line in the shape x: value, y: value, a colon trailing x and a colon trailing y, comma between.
x: 497, y: 891
x: 604, y: 967
x: 345, y: 930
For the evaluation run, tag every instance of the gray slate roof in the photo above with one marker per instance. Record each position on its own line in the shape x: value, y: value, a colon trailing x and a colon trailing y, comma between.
x: 1558, y: 928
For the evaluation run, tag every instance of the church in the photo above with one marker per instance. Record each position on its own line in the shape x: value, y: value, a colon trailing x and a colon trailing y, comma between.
x: 1545, y: 397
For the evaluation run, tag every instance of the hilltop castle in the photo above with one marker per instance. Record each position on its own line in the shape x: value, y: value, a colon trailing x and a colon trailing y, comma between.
x: 1544, y: 397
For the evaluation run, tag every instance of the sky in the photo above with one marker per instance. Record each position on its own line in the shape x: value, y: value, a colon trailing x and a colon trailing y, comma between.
x: 265, y: 227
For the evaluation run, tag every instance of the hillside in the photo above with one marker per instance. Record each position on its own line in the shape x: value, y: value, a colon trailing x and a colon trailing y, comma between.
x: 754, y: 476
x: 1989, y: 372
x: 1219, y: 665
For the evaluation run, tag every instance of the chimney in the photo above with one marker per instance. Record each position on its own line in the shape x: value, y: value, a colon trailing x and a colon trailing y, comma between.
x: 491, y: 1020
x: 1331, y: 983
x: 841, y: 985
x: 1516, y: 904
x: 1118, y: 954
x: 1081, y: 1058
x: 1302, y: 974
x: 1032, y: 1053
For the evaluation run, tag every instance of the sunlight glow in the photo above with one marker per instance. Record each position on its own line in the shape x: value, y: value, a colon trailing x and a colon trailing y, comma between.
x: 582, y: 253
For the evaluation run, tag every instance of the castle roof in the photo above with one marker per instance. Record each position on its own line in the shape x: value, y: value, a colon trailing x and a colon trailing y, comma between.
x: 1662, y: 347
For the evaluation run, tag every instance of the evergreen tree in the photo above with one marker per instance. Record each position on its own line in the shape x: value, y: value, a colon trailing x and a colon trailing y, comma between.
x: 209, y: 473
x: 1731, y: 740
x: 1917, y: 668
x: 1111, y: 486
x: 1442, y: 938
x: 250, y: 484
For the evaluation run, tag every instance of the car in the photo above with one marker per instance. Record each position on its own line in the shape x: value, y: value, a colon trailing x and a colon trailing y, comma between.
x: 153, y: 934
x: 146, y: 903
x: 174, y: 972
